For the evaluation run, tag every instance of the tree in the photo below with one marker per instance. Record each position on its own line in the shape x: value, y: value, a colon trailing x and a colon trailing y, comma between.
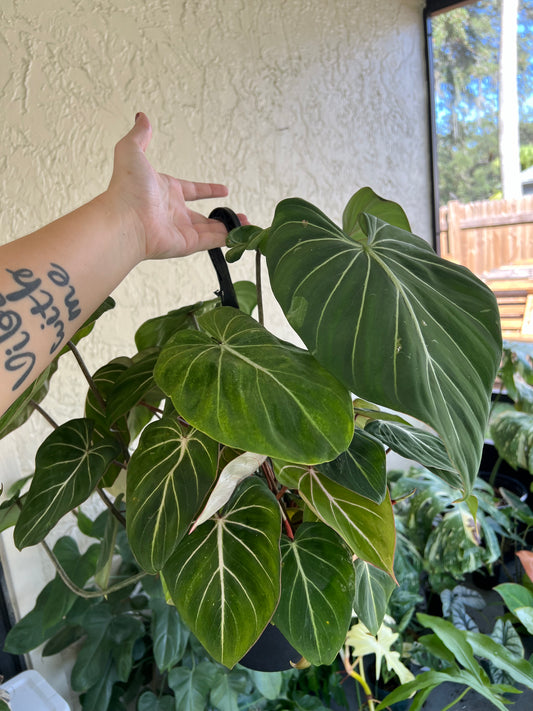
x: 508, y: 123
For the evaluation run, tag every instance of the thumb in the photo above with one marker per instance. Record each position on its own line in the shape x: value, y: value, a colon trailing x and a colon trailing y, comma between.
x: 141, y: 133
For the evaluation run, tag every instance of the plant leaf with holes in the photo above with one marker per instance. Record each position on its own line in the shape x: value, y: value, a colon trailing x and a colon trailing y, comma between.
x: 234, y: 371
x: 367, y: 527
x: 398, y: 325
x: 317, y: 589
x: 361, y: 467
x: 225, y: 577
x: 68, y: 466
x: 169, y: 476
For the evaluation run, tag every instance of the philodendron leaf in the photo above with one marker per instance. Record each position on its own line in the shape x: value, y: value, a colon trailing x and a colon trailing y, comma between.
x: 317, y: 588
x: 373, y: 588
x: 132, y: 385
x: 169, y: 634
x: 68, y: 466
x: 230, y: 477
x: 361, y: 467
x: 512, y: 433
x: 245, y: 388
x: 225, y: 577
x: 366, y: 200
x: 169, y: 475
x: 191, y: 686
x: 398, y: 325
x: 418, y: 444
x: 242, y: 238
x: 22, y: 409
x: 367, y: 527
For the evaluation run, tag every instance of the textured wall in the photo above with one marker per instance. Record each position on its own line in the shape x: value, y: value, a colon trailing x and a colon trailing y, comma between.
x: 277, y: 98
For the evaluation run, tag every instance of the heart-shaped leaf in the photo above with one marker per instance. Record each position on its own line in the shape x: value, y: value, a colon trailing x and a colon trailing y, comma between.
x: 68, y: 466
x: 317, y: 589
x: 132, y: 385
x: 418, y: 444
x: 361, y: 468
x: 169, y: 475
x: 367, y: 527
x: 225, y: 577
x: 398, y: 325
x: 247, y: 389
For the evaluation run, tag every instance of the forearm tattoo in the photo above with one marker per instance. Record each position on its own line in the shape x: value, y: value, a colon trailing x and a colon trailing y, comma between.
x: 53, y: 302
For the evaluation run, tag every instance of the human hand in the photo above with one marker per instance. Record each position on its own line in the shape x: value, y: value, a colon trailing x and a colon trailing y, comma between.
x: 154, y: 204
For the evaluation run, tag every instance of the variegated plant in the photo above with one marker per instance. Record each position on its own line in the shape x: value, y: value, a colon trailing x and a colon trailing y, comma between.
x: 273, y: 454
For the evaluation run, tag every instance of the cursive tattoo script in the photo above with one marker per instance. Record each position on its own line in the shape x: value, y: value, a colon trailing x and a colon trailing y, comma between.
x: 52, y: 300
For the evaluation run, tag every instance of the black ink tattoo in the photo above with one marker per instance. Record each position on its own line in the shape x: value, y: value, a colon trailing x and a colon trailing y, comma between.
x: 28, y: 286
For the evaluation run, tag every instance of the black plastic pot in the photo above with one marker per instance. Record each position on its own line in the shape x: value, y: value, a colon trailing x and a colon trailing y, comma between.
x: 272, y: 652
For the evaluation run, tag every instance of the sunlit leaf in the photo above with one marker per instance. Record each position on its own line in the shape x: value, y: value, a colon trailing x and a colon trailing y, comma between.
x: 367, y: 527
x: 366, y: 200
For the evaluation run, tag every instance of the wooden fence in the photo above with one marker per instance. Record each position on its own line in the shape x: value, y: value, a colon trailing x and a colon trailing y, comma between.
x: 486, y: 235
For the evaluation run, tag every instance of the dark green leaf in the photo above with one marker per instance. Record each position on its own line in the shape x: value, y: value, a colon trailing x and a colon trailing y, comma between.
x: 502, y: 657
x: 243, y: 238
x: 224, y: 578
x: 191, y: 686
x: 88, y: 326
x: 367, y: 527
x: 22, y: 409
x: 317, y: 590
x: 388, y: 305
x: 148, y: 701
x: 156, y: 331
x: 373, y: 588
x: 123, y: 632
x: 169, y: 475
x: 417, y: 444
x: 235, y: 371
x: 68, y: 466
x: 99, y: 694
x: 132, y: 385
x: 361, y: 468
x: 169, y: 634
x: 95, y: 655
x: 62, y: 639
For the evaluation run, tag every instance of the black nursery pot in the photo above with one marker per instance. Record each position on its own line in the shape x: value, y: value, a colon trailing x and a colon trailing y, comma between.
x: 272, y: 652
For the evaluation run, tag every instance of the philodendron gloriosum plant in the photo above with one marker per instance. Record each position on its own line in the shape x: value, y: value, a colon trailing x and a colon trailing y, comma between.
x: 258, y: 488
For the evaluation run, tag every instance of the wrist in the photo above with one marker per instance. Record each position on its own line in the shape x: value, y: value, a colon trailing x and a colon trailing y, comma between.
x: 126, y: 226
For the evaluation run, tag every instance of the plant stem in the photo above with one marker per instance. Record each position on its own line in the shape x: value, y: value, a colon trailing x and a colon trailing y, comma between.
x: 88, y: 594
x: 116, y: 513
x: 258, y: 286
x: 43, y: 412
x: 86, y: 373
x: 456, y: 701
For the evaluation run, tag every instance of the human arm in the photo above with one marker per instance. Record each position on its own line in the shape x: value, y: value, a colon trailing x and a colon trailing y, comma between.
x: 53, y: 279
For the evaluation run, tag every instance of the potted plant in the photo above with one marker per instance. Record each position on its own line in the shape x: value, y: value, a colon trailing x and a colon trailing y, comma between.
x: 260, y: 447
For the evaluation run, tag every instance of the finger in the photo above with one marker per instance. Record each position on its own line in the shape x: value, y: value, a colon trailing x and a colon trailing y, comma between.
x: 200, y: 191
x: 141, y: 133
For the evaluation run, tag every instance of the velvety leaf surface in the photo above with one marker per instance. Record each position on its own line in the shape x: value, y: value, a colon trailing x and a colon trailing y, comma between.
x: 131, y: 385
x: 398, y: 325
x: 68, y: 466
x: 169, y: 475
x: 234, y: 371
x: 418, y: 444
x: 373, y: 588
x: 317, y: 589
x: 225, y: 577
x: 367, y: 527
x: 361, y: 468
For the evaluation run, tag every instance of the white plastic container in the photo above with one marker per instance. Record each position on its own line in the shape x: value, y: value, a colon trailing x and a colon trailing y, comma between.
x: 30, y: 692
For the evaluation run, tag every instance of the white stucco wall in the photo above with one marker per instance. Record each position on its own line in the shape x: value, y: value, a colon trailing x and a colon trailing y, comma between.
x: 314, y: 98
